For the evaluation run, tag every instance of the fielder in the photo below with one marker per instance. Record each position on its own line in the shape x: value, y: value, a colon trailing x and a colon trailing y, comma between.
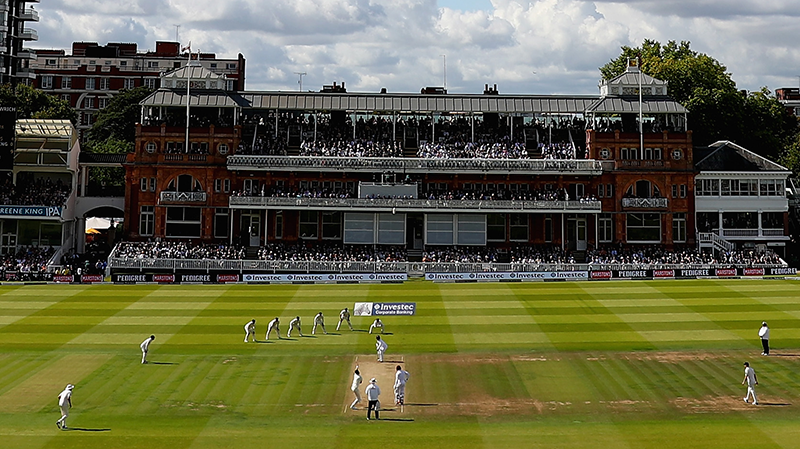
x: 356, y: 385
x: 751, y: 380
x: 400, y: 379
x: 250, y: 329
x: 274, y: 325
x: 319, y: 320
x: 64, y: 403
x: 292, y: 324
x: 145, y: 347
x: 380, y: 347
x: 344, y: 315
x: 375, y: 324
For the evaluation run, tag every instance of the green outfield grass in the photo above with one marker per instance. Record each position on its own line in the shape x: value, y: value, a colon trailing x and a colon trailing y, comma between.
x: 645, y: 364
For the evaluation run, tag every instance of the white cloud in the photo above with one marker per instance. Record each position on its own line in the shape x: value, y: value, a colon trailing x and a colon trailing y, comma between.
x: 397, y: 43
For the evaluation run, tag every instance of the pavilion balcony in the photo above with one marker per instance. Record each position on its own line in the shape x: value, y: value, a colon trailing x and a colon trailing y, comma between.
x: 183, y: 197
x: 413, y: 205
x: 645, y: 203
x: 415, y: 165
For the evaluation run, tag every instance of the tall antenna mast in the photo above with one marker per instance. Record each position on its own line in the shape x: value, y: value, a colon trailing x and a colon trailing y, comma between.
x: 444, y: 71
x: 177, y: 32
x: 300, y: 81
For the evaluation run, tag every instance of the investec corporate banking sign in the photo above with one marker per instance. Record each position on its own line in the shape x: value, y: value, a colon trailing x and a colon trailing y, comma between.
x: 384, y: 308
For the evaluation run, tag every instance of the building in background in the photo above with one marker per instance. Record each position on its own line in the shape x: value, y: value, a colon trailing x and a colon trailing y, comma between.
x: 91, y: 74
x: 14, y: 33
x: 790, y: 97
x: 37, y: 197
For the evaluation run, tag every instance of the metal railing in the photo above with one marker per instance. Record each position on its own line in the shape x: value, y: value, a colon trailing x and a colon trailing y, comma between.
x: 715, y: 241
x: 183, y: 197
x: 403, y: 205
x: 415, y: 165
x: 644, y: 203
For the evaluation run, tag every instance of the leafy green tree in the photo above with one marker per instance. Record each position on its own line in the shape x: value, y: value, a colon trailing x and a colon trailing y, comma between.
x: 717, y: 110
x: 114, y: 132
x: 118, y: 119
x: 33, y: 103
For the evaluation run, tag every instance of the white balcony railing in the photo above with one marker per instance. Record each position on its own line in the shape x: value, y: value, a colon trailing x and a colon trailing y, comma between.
x: 30, y: 15
x: 772, y: 232
x: 406, y: 205
x: 29, y: 34
x: 183, y: 197
x: 740, y: 232
x: 645, y: 203
x: 415, y: 165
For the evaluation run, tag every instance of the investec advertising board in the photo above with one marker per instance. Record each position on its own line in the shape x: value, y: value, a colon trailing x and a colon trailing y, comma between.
x: 384, y: 308
x: 508, y: 276
x: 327, y: 278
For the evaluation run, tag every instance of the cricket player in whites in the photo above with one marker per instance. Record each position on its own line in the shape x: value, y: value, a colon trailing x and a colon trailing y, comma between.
x: 751, y: 381
x: 356, y: 385
x: 64, y: 403
x: 376, y: 324
x: 344, y: 315
x: 250, y: 329
x: 292, y: 324
x: 274, y: 325
x: 400, y: 379
x: 380, y: 347
x: 319, y: 320
x: 145, y: 347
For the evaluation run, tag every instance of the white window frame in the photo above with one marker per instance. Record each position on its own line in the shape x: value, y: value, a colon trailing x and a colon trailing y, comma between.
x: 147, y: 220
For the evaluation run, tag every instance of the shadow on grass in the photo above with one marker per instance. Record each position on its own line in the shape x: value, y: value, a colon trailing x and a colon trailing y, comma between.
x: 397, y: 419
x: 308, y: 336
x: 420, y: 405
x: 162, y: 363
x: 774, y: 404
x: 784, y: 355
x: 263, y: 341
x: 83, y: 429
x: 392, y: 361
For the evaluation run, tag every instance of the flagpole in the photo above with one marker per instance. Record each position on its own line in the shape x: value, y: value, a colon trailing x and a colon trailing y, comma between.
x: 188, y: 98
x: 641, y: 132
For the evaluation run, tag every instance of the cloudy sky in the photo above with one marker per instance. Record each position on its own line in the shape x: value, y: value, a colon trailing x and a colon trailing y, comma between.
x: 524, y: 46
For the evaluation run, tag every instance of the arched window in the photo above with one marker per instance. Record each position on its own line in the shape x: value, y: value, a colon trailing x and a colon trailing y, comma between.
x: 643, y: 189
x: 184, y: 183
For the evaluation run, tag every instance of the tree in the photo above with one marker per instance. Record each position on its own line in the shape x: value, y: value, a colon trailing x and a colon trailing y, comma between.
x: 33, y: 103
x: 114, y: 132
x: 717, y: 110
x: 118, y: 120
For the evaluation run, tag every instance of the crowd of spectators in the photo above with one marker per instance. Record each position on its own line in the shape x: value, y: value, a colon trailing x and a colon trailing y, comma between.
x: 179, y: 250
x: 32, y: 259
x: 472, y: 150
x: 279, y: 192
x: 460, y: 254
x: 27, y: 260
x: 560, y: 150
x: 481, y: 194
x: 540, y: 254
x: 332, y: 252
x: 350, y: 148
x: 654, y: 256
x: 33, y: 192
